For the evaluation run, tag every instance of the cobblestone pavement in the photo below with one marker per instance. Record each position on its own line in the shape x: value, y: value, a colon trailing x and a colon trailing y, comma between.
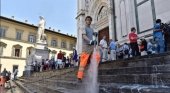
x: 14, y: 89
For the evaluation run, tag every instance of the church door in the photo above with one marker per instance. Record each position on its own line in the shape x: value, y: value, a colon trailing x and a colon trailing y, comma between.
x: 104, y: 32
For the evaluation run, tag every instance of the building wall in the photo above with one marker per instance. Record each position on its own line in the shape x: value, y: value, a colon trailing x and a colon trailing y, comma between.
x: 7, y: 60
x: 10, y: 43
x: 124, y: 14
x: 162, y: 10
x: 12, y: 27
x: 92, y: 8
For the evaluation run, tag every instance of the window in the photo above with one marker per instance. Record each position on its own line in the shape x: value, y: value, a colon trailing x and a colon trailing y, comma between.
x: 15, y: 67
x: 144, y: 23
x: 1, y: 50
x: 162, y: 9
x: 31, y: 38
x: 53, y: 54
x: 123, y: 18
x: 2, y: 32
x: 17, y: 50
x: 2, y: 46
x: 71, y: 46
x: 29, y: 50
x: 102, y: 13
x: 0, y: 67
x: 18, y: 35
x: 63, y: 44
x: 54, y: 43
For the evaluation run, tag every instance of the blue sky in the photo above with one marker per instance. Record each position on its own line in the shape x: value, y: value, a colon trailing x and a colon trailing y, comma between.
x: 59, y: 14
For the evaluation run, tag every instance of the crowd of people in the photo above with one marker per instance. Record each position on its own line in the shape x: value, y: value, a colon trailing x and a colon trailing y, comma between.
x: 60, y: 62
x: 5, y: 76
x: 136, y: 46
x: 111, y: 50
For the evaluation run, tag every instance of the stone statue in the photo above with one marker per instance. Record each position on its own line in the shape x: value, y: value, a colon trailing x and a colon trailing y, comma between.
x: 41, y: 36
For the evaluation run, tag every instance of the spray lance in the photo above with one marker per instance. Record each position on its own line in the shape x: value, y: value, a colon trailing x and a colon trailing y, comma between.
x: 95, y: 34
x: 94, y: 41
x: 96, y: 50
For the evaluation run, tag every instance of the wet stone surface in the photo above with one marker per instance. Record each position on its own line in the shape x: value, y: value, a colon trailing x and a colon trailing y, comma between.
x: 10, y: 90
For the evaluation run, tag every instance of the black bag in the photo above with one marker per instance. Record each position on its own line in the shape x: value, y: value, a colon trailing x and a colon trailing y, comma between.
x: 126, y: 51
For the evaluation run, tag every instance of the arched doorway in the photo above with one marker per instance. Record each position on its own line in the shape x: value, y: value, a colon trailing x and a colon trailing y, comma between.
x: 104, y: 32
x: 102, y: 21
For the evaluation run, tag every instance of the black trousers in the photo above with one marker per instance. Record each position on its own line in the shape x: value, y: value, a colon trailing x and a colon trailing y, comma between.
x: 135, y: 49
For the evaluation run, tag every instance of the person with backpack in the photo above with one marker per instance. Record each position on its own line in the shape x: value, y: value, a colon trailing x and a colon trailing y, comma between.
x: 159, y: 37
x: 166, y: 31
x: 143, y: 47
x: 149, y: 47
x: 119, y: 51
x: 75, y: 55
x: 125, y: 50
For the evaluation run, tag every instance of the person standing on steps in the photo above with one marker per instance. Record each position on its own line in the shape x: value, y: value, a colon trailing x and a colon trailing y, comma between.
x: 159, y: 37
x: 112, y: 48
x: 103, y: 45
x: 74, y: 56
x: 88, y: 46
x: 133, y: 42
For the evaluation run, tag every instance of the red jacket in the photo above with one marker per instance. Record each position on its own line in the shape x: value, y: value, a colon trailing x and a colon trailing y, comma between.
x: 59, y: 56
x: 133, y: 37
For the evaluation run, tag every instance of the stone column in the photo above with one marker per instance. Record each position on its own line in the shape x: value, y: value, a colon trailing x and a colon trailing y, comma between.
x: 111, y: 20
x: 80, y: 24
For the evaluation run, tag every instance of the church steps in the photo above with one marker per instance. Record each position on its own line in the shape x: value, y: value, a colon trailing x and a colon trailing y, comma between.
x: 122, y: 76
x: 132, y: 88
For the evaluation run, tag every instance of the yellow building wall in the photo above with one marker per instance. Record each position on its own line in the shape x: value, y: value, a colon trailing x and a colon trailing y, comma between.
x: 12, y: 28
x: 10, y: 43
x: 8, y: 64
x: 59, y: 39
x: 66, y: 51
x: 7, y: 61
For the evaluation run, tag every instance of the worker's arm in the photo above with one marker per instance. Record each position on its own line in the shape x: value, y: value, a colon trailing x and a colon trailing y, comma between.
x: 157, y: 30
x: 86, y: 38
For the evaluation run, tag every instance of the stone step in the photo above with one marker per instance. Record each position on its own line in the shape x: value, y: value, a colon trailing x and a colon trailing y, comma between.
x: 58, y: 89
x: 54, y: 72
x: 37, y: 88
x: 122, y: 75
x: 54, y: 83
x: 104, y: 88
x: 146, y: 79
x: 135, y: 70
x: 132, y: 88
x: 145, y: 61
x: 142, y: 78
x: 118, y: 71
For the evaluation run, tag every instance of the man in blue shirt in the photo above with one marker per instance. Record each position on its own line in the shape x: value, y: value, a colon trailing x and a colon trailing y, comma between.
x: 158, y: 37
x: 112, y: 48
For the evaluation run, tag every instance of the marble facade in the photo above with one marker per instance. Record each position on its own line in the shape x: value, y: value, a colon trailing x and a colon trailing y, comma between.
x: 120, y: 15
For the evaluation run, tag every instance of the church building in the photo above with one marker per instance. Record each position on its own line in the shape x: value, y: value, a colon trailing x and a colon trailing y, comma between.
x: 114, y: 18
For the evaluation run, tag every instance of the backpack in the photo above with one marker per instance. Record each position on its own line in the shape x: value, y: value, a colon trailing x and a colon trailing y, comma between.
x: 126, y: 51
